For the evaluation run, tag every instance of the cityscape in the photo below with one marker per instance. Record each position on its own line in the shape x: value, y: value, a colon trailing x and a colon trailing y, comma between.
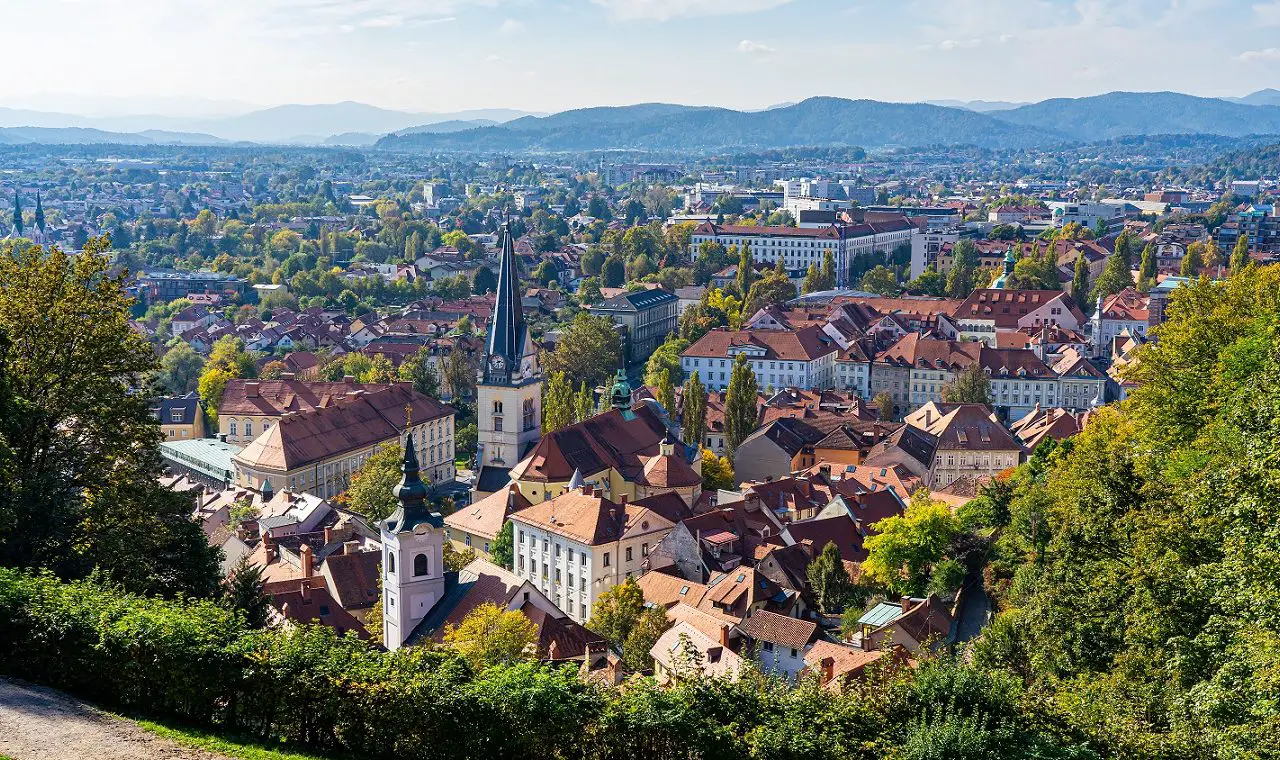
x: 795, y: 420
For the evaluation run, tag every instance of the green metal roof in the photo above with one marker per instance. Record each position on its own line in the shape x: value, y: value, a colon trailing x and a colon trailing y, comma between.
x: 881, y: 614
x: 207, y: 455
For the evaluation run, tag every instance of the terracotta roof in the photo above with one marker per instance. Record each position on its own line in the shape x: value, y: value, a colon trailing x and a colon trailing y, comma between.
x: 273, y: 398
x: 353, y: 578
x: 846, y: 662
x: 969, y: 427
x: 617, y: 439
x: 841, y: 531
x: 1006, y: 307
x: 592, y: 519
x: 486, y: 516
x: 668, y: 471
x: 763, y: 625
x: 1128, y: 305
x: 308, y: 602
x: 804, y: 344
x: 718, y: 661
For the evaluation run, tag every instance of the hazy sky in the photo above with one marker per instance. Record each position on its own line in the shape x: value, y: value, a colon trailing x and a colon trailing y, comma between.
x: 547, y: 55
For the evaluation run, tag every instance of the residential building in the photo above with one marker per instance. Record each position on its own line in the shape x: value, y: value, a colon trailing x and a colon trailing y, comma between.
x: 798, y: 247
x: 647, y: 318
x: 804, y: 358
x: 163, y: 285
x: 779, y: 643
x: 1125, y: 312
x: 969, y: 442
x: 1053, y: 424
x: 180, y: 418
x: 580, y: 544
x: 477, y: 525
x: 988, y: 310
x: 917, y: 625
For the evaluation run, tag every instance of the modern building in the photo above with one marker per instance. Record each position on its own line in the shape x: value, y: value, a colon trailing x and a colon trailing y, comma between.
x: 163, y: 285
x: 207, y: 461
x: 647, y: 318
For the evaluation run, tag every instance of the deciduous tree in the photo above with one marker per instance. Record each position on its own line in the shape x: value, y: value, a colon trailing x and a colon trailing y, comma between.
x: 490, y: 635
x: 741, y: 406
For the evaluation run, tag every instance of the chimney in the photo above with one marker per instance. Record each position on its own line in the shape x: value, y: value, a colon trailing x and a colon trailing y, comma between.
x: 251, y: 390
x: 806, y: 545
x: 866, y: 643
x: 622, y: 500
x: 906, y: 604
x: 269, y: 546
x: 724, y: 636
x: 588, y: 489
x: 304, y: 556
x: 553, y: 650
x: 288, y: 376
x: 828, y: 670
x: 328, y: 536
x: 351, y: 547
x: 305, y: 589
x: 349, y: 379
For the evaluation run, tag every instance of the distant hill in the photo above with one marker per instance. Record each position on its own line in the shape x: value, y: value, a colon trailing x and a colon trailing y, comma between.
x: 661, y: 126
x: 1115, y: 114
x: 167, y: 137
x: 453, y: 125
x: 981, y: 106
x: 352, y: 139
x: 1268, y: 97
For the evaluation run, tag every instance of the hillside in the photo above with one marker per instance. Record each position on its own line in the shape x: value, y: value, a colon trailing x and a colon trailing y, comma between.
x: 657, y: 126
x: 1145, y: 113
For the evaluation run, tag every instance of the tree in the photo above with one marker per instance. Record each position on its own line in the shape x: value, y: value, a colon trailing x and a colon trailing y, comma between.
x: 455, y: 560
x: 614, y: 271
x: 905, y: 548
x: 557, y: 404
x: 666, y: 393
x: 746, y: 270
x: 503, y: 549
x: 771, y: 289
x: 459, y: 375
x: 490, y: 635
x: 1146, y: 270
x: 665, y: 359
x: 213, y: 383
x: 1080, y: 282
x: 1115, y: 277
x: 589, y: 291
x: 419, y: 370
x: 1191, y: 261
x: 881, y: 280
x: 929, y: 283
x: 1240, y: 254
x: 828, y: 270
x: 584, y: 403
x: 229, y: 354
x: 616, y: 611
x: 590, y: 350
x: 717, y: 472
x: 648, y: 628
x: 970, y: 386
x: 693, y: 420
x: 370, y: 490
x: 80, y: 464
x: 243, y: 591
x: 964, y: 269
x: 883, y: 403
x: 829, y: 580
x: 467, y: 441
x: 741, y: 406
x: 1100, y: 229
x: 484, y: 281
x: 180, y: 369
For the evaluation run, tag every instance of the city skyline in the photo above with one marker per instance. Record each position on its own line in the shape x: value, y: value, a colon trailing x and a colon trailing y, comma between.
x: 181, y: 57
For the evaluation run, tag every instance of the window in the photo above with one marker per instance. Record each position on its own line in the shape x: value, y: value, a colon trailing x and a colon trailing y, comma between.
x: 557, y: 576
x: 628, y: 553
x: 175, y: 415
x: 468, y: 539
x: 606, y: 559
x: 582, y: 610
x: 521, y: 563
x: 794, y: 653
x: 248, y: 428
x: 497, y: 424
x: 497, y: 407
x: 644, y: 550
x: 582, y: 583
x: 391, y: 563
x: 584, y: 557
x: 233, y: 428
x: 421, y: 565
x: 768, y: 646
x: 557, y: 550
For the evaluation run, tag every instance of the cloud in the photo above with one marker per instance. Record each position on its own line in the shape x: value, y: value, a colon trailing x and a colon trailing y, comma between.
x: 511, y: 27
x: 1267, y: 14
x: 751, y: 47
x: 665, y: 10
x: 1267, y: 54
x: 959, y: 44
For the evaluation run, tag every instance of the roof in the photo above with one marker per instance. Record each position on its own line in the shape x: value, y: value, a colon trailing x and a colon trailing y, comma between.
x: 1006, y: 307
x: 272, y: 398
x: 187, y: 407
x: 805, y: 344
x: 1128, y: 305
x: 718, y: 661
x: 669, y: 470
x: 507, y: 330
x: 967, y: 427
x: 763, y: 625
x: 621, y: 439
x: 846, y: 661
x: 207, y: 455
x: 584, y: 515
x: 353, y: 578
x: 840, y: 530
x: 307, y: 602
x: 486, y: 516
x: 638, y: 300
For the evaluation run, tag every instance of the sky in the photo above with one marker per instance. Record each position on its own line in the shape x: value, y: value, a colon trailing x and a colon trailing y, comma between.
x: 188, y: 57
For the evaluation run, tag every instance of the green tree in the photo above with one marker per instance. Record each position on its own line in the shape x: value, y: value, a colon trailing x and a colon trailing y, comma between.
x: 419, y: 370
x: 962, y: 276
x: 484, y: 281
x: 881, y: 280
x: 1115, y: 277
x: 557, y: 404
x: 829, y: 580
x: 229, y: 354
x: 883, y: 403
x: 243, y: 590
x: 666, y: 392
x: 1146, y: 269
x: 741, y: 405
x: 970, y: 386
x: 771, y: 289
x: 929, y: 283
x: 459, y: 376
x: 903, y: 551
x: 665, y: 359
x: 584, y: 403
x: 589, y: 291
x: 717, y: 472
x: 370, y: 489
x: 616, y: 612
x: 648, y: 628
x: 490, y: 636
x: 1191, y: 261
x: 693, y: 420
x: 213, y: 383
x: 614, y: 271
x: 590, y: 350
x: 503, y: 549
x: 180, y: 370
x: 79, y: 457
x: 828, y: 270
x: 1080, y: 283
x: 1240, y: 254
x: 746, y: 270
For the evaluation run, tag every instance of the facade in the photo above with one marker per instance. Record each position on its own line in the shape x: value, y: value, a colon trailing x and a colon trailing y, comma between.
x: 509, y: 386
x: 163, y: 286
x: 988, y: 310
x: 580, y: 544
x: 803, y: 358
x: 412, y: 557
x: 477, y: 525
x: 1125, y: 312
x: 798, y: 247
x: 250, y: 407
x: 647, y: 317
x: 1260, y: 225
x: 971, y: 442
x: 180, y: 418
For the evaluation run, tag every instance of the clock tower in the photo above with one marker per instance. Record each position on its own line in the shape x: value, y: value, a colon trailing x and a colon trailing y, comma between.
x: 509, y: 386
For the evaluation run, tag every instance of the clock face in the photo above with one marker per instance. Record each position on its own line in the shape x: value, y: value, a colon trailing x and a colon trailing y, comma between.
x: 497, y: 363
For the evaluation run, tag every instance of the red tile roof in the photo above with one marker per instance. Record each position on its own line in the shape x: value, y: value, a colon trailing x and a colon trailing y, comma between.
x: 805, y: 344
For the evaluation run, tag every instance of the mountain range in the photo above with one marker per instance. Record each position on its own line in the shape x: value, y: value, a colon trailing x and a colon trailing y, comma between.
x: 817, y: 121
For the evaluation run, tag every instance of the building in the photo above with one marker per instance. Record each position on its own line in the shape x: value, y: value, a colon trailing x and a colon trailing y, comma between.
x: 798, y: 247
x: 477, y: 525
x: 180, y: 418
x: 509, y: 386
x: 580, y: 544
x: 988, y: 310
x: 249, y: 407
x: 647, y: 318
x: 1258, y: 223
x: 163, y: 286
x: 779, y: 643
x: 207, y: 461
x: 318, y: 450
x: 1125, y: 312
x: 803, y: 358
x: 1087, y: 214
x: 915, y: 624
x: 970, y: 442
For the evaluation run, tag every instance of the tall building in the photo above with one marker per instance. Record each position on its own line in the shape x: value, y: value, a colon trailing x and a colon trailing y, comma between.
x: 509, y: 387
x: 412, y: 556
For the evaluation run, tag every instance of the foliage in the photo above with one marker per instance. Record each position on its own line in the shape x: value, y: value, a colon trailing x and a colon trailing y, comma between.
x: 1037, y: 271
x: 590, y: 350
x: 717, y: 472
x: 929, y: 283
x: 829, y: 580
x: 243, y: 590
x: 419, y: 370
x: 369, y: 492
x: 962, y: 277
x: 693, y: 419
x: 455, y: 560
x: 1146, y: 269
x: 584, y: 403
x: 905, y: 549
x: 880, y: 280
x: 741, y: 405
x: 1240, y: 254
x: 502, y: 551
x: 557, y: 404
x: 490, y: 635
x: 180, y: 370
x: 213, y: 384
x: 1115, y: 277
x: 646, y: 631
x: 770, y: 290
x: 79, y: 456
x: 666, y: 392
x: 970, y: 386
x: 665, y: 358
x: 616, y: 611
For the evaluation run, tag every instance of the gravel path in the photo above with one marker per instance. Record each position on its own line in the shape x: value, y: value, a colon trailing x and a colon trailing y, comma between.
x: 42, y: 724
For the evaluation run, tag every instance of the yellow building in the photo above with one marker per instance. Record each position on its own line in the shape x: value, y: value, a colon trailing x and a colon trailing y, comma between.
x: 180, y: 418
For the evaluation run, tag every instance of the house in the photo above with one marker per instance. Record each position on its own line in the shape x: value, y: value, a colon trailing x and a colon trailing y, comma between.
x: 580, y: 544
x: 717, y: 541
x: 987, y: 310
x: 837, y: 666
x: 1125, y: 312
x: 180, y: 418
x: 915, y: 624
x: 647, y: 318
x: 1042, y: 425
x: 970, y: 441
x: 804, y: 358
x: 788, y: 444
x: 191, y: 318
x: 477, y: 525
x: 779, y: 643
x: 686, y: 651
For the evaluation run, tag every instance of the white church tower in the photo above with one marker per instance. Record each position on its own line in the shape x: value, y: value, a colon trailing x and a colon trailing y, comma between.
x: 412, y: 556
x: 509, y: 386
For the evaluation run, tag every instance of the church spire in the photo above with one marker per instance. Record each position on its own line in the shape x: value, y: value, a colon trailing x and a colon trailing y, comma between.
x: 507, y: 330
x: 412, y: 493
x: 18, y: 227
x: 39, y: 213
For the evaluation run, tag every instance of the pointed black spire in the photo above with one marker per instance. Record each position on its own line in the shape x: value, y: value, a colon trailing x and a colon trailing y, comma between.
x: 39, y: 213
x: 412, y: 493
x: 507, y: 330
x: 17, y: 213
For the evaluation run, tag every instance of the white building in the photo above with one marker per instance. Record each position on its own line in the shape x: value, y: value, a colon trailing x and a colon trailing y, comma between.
x: 804, y: 358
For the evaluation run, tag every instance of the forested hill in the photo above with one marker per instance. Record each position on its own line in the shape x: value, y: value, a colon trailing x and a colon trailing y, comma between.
x: 1115, y: 114
x: 817, y: 121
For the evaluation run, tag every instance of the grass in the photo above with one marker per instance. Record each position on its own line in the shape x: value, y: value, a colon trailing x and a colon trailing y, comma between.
x: 236, y: 747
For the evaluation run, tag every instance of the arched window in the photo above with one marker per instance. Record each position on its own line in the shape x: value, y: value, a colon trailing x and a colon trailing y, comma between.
x: 391, y: 563
x: 421, y: 565
x: 497, y: 407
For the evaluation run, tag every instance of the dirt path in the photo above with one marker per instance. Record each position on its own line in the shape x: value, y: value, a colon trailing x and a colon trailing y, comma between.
x: 42, y: 724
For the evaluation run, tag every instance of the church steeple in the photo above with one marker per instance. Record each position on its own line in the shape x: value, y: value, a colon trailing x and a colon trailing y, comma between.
x: 18, y: 227
x: 412, y: 493
x: 508, y: 333
x: 39, y: 214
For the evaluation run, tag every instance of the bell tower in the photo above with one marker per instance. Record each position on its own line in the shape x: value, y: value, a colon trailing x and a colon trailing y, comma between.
x: 412, y: 556
x: 509, y: 386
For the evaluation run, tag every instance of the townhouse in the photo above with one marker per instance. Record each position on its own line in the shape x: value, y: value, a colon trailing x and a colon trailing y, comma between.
x: 804, y: 358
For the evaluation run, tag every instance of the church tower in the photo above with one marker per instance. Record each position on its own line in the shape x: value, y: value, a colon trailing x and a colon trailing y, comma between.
x: 412, y: 556
x: 509, y: 387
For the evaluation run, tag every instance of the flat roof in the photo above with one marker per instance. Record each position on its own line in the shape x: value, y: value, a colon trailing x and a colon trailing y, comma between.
x: 206, y: 455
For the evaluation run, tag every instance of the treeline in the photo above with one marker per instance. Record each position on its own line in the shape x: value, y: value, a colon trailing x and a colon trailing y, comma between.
x: 195, y: 662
